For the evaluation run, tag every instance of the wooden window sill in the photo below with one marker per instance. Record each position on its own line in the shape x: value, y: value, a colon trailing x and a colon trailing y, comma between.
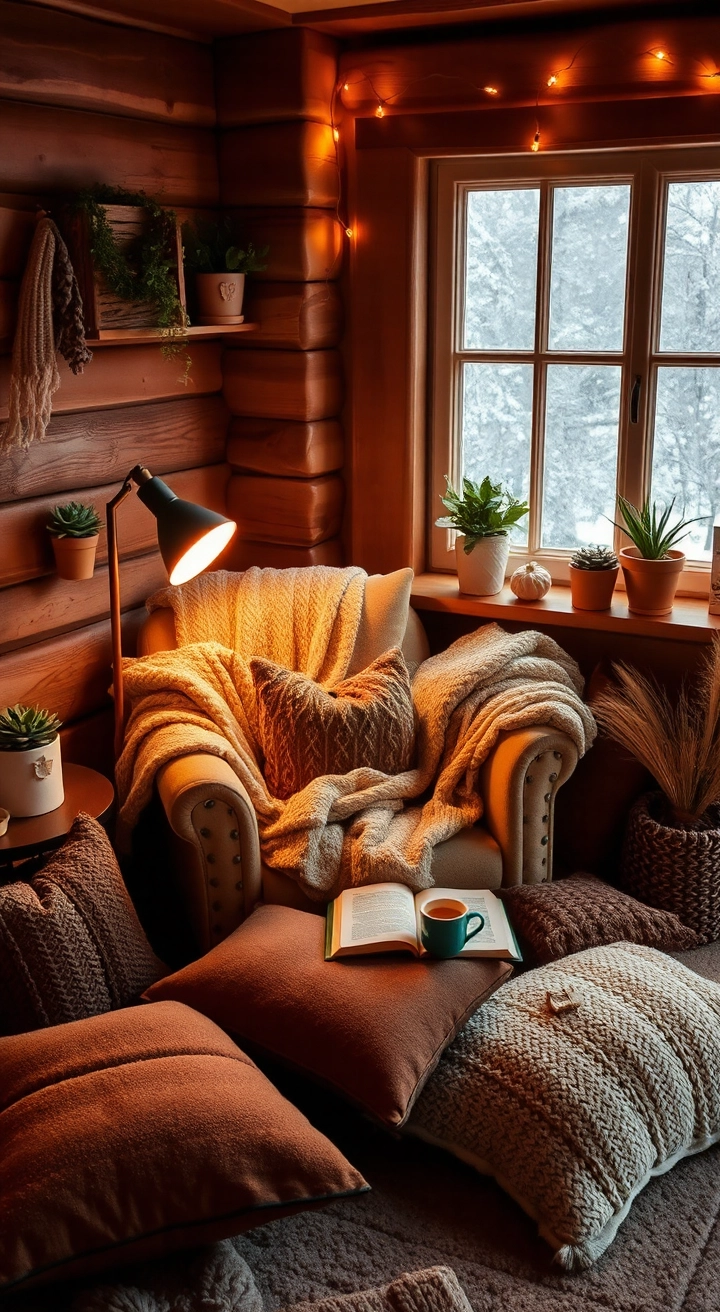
x: 688, y: 622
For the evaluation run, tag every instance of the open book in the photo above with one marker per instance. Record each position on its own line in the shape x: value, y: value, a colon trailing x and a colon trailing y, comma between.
x: 386, y: 918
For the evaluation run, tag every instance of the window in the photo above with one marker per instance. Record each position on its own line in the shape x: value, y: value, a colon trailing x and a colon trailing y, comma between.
x: 576, y: 342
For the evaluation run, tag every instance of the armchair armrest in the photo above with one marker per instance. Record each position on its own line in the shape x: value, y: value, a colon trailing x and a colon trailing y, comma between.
x: 519, y: 782
x: 215, y: 841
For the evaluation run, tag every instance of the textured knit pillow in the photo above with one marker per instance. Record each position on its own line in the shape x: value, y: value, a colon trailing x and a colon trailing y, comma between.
x: 71, y: 944
x: 553, y: 920
x: 130, y: 1135
x: 307, y: 731
x: 578, y: 1082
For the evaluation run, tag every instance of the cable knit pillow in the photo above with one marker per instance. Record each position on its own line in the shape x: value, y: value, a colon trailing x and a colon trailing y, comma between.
x: 553, y: 920
x: 307, y: 731
x: 71, y: 944
x: 576, y: 1083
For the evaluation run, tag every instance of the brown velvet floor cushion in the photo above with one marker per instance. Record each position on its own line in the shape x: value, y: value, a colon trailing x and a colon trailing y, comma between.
x: 554, y: 920
x: 306, y: 731
x: 129, y: 1135
x: 71, y: 944
x: 372, y: 1028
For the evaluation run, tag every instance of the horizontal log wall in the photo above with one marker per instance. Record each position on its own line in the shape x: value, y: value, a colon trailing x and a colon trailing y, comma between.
x: 83, y: 102
x: 283, y: 385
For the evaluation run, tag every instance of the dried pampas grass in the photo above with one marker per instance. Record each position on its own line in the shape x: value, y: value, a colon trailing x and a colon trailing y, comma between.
x: 678, y: 743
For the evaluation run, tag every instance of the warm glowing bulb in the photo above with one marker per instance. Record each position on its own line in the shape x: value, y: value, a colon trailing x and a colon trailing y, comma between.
x: 536, y: 142
x: 379, y: 112
x: 490, y: 91
x: 202, y: 553
x: 346, y: 86
x: 552, y: 80
x: 660, y: 54
x: 336, y: 135
x: 349, y: 232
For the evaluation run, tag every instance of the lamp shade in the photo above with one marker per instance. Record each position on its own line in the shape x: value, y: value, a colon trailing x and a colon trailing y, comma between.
x: 190, y: 537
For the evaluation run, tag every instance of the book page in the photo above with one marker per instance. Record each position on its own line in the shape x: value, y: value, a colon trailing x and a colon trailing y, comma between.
x: 493, y: 936
x: 378, y: 913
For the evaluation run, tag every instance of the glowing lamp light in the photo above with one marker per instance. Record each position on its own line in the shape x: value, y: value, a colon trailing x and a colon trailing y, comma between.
x: 490, y: 91
x: 552, y: 80
x: 346, y: 86
x: 536, y: 142
x: 336, y: 135
x: 380, y: 112
x: 659, y: 54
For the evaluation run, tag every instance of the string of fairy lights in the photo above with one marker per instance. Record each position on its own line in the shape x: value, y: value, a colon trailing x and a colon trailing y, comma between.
x: 486, y: 90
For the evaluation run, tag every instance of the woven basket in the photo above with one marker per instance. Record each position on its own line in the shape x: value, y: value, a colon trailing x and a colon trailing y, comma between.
x: 673, y: 869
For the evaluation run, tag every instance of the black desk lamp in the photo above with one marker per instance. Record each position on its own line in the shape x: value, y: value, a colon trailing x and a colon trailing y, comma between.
x: 189, y: 536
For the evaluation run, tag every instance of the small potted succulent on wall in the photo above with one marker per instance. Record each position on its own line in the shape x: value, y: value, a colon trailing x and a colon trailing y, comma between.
x: 213, y: 252
x: 482, y: 515
x: 30, y: 767
x: 74, y: 530
x: 652, y: 565
x: 593, y: 575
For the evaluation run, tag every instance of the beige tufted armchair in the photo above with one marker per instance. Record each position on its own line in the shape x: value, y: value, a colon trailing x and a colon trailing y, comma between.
x: 212, y: 824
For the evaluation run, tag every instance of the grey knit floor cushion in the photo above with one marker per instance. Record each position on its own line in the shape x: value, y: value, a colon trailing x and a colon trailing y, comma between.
x: 576, y: 1083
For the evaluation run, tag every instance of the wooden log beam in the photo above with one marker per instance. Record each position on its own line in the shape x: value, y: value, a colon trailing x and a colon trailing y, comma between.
x: 301, y: 385
x: 16, y: 229
x: 287, y: 450
x: 293, y: 316
x: 278, y: 164
x: 288, y: 511
x: 63, y: 59
x: 269, y: 555
x: 271, y: 77
x: 89, y: 741
x: 25, y: 545
x: 125, y: 374
x: 86, y: 448
x: 306, y: 245
x: 46, y: 149
x: 9, y: 290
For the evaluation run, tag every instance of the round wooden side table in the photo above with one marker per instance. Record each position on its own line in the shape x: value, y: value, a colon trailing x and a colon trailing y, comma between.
x: 85, y: 790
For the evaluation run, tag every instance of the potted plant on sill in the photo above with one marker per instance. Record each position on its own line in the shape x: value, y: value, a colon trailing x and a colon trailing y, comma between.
x: 593, y: 575
x: 671, y: 852
x: 212, y: 251
x: 30, y: 766
x: 74, y: 530
x: 482, y: 516
x: 651, y: 566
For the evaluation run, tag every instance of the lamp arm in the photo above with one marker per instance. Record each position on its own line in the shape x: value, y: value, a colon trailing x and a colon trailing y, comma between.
x: 115, y: 625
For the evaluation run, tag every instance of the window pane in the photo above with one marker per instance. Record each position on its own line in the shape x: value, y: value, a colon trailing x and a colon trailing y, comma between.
x: 501, y: 274
x: 691, y: 278
x: 496, y: 425
x: 686, y: 451
x: 581, y: 438
x: 587, y: 278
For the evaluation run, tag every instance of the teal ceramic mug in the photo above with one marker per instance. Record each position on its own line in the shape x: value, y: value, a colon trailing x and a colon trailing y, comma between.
x: 445, y: 926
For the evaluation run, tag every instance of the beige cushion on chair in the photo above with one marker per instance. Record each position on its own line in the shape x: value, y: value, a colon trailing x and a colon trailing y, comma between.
x: 384, y: 617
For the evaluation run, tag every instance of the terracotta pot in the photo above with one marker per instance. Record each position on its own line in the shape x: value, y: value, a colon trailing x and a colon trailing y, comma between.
x: 592, y: 589
x: 481, y: 572
x: 31, y: 782
x: 651, y: 584
x: 220, y: 298
x: 75, y: 557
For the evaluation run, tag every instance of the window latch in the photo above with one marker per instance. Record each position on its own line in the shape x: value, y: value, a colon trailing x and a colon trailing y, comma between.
x: 635, y: 399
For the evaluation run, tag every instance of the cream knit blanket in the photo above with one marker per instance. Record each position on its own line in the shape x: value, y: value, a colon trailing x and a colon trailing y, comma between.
x: 341, y: 830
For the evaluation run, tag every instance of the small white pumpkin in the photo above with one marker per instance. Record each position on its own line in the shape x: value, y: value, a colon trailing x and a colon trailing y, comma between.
x: 530, y: 582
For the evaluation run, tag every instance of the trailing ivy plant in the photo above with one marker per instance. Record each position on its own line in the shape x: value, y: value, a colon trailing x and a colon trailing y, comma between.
x: 145, y: 271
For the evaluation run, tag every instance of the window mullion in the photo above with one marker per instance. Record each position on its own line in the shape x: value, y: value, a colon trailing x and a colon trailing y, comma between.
x: 542, y: 310
x: 634, y: 438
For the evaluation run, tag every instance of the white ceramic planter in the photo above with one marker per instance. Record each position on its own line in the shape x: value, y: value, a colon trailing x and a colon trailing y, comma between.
x: 481, y: 572
x: 31, y: 782
x: 220, y: 297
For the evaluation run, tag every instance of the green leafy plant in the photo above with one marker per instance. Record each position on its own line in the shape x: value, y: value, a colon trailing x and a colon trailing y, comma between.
x: 649, y: 531
x: 22, y: 727
x: 594, y: 558
x: 482, y: 510
x: 211, y: 246
x: 74, y: 520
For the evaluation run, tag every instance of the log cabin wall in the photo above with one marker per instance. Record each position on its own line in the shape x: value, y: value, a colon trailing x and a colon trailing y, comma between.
x: 283, y: 384
x: 86, y: 102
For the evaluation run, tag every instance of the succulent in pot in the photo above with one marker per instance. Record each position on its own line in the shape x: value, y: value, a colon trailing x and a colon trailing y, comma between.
x: 74, y: 530
x: 214, y: 251
x: 593, y: 574
x: 482, y: 514
x: 652, y: 565
x: 30, y: 764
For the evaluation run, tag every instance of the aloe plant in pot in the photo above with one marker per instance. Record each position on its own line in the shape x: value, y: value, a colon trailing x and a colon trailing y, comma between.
x: 74, y: 530
x: 30, y: 766
x: 652, y: 565
x: 482, y: 515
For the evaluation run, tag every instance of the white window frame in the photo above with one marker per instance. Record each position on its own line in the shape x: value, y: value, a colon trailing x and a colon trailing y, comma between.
x: 648, y: 172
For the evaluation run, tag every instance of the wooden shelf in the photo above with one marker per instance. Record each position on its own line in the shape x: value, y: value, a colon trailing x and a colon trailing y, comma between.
x: 688, y: 622
x: 136, y: 336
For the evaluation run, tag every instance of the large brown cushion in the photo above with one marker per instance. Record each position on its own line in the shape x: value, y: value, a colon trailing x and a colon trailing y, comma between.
x: 71, y: 944
x: 554, y: 920
x: 306, y: 731
x: 129, y: 1135
x: 372, y: 1028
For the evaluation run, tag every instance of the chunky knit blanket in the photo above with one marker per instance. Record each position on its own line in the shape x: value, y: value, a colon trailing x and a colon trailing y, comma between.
x: 340, y: 830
